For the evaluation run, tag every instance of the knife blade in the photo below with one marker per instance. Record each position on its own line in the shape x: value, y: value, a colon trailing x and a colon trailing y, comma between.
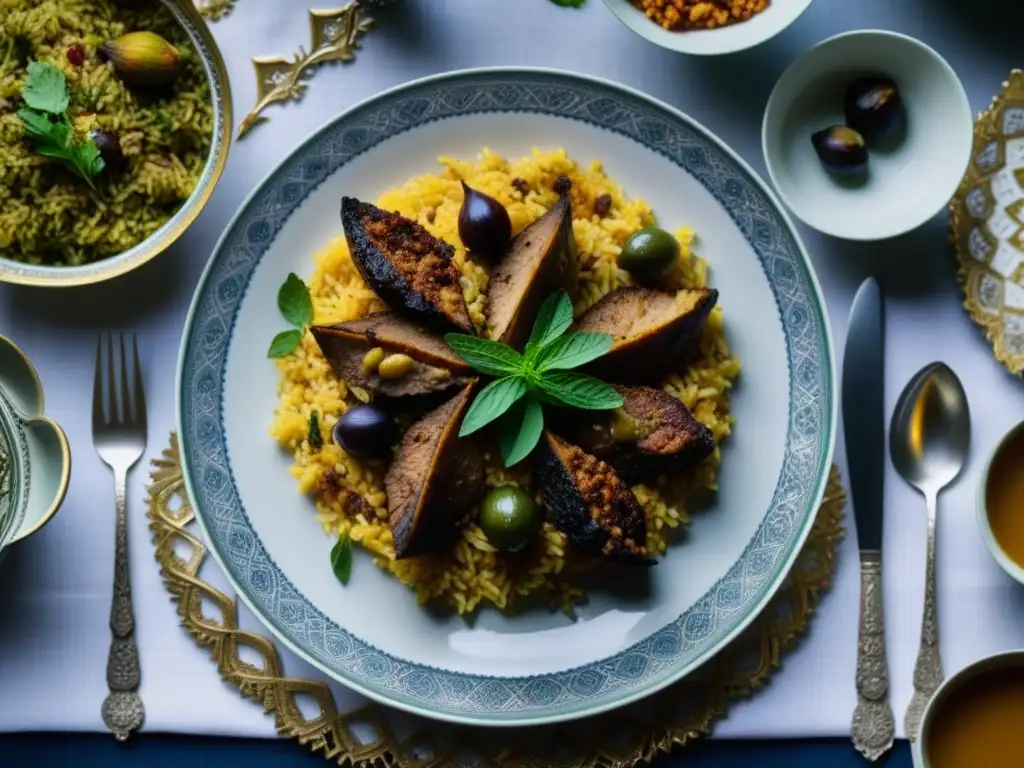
x: 864, y: 411
x: 864, y: 423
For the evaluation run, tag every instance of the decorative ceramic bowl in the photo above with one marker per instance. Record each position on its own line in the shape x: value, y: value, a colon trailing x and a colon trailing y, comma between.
x: 911, y: 176
x: 711, y: 42
x: 35, y: 459
x: 998, y: 661
x: 105, y: 269
x: 1004, y: 560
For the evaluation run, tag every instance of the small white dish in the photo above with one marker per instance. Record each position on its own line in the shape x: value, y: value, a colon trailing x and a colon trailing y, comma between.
x: 984, y: 526
x: 910, y: 177
x: 712, y: 42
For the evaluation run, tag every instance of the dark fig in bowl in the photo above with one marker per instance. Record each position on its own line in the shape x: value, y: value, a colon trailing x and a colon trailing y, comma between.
x: 873, y: 106
x: 484, y: 224
x: 841, y: 150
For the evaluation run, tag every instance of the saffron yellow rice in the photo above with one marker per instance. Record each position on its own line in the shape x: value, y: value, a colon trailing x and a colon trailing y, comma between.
x: 349, y: 495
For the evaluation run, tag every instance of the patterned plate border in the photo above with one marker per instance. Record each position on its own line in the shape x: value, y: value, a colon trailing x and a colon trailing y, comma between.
x: 669, y: 653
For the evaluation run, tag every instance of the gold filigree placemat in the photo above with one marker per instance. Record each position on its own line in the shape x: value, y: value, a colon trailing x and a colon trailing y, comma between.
x: 986, y: 221
x: 620, y: 739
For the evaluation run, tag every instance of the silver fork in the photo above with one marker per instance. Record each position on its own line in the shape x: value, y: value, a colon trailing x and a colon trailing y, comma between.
x: 120, y: 438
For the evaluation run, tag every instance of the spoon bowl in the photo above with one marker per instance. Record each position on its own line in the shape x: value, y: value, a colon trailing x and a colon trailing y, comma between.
x: 929, y: 438
x: 931, y: 429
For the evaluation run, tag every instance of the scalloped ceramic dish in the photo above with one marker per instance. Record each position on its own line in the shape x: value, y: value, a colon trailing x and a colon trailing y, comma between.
x: 535, y: 666
x: 38, y: 456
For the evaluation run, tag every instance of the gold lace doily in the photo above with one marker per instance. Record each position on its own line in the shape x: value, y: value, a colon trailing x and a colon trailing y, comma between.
x: 986, y: 219
x: 625, y: 737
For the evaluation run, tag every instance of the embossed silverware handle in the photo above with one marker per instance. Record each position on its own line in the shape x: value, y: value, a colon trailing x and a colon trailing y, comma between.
x: 122, y: 709
x: 873, y: 722
x: 928, y: 673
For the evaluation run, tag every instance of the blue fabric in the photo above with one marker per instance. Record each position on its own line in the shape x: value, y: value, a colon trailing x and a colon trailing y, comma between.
x: 58, y: 750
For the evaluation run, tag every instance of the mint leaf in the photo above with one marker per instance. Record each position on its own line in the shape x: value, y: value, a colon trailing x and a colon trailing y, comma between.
x: 45, y: 88
x: 341, y: 559
x: 490, y: 357
x: 572, y: 351
x: 520, y: 430
x: 569, y: 3
x: 285, y: 343
x: 316, y: 440
x: 553, y: 319
x: 294, y: 302
x: 580, y: 390
x: 493, y: 400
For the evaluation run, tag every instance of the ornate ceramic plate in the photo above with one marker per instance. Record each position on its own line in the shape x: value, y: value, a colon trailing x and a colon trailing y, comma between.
x: 534, y: 667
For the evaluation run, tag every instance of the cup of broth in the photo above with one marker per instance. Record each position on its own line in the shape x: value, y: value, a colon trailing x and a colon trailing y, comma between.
x: 976, y: 718
x: 1000, y: 506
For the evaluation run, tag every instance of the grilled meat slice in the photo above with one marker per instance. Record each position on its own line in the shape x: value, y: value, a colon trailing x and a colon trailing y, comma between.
x: 541, y: 260
x: 651, y: 434
x: 409, y: 268
x: 590, y: 503
x: 435, y: 366
x: 652, y: 331
x: 434, y: 480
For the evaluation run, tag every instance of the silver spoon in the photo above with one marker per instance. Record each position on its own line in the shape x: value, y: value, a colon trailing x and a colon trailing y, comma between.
x: 930, y: 434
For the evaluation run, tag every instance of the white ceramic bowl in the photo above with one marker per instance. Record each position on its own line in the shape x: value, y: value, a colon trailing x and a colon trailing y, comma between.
x: 1004, y: 560
x: 710, y: 42
x: 910, y: 178
x: 998, y: 661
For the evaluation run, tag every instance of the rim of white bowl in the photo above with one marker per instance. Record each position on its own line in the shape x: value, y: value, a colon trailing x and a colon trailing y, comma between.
x: 772, y: 104
x: 981, y: 509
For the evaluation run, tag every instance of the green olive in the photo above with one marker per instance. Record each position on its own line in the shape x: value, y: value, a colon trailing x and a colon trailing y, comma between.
x: 510, y: 519
x: 649, y: 253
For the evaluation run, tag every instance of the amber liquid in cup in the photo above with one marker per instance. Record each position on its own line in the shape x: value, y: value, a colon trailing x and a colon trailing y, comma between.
x: 1004, y: 500
x: 980, y: 723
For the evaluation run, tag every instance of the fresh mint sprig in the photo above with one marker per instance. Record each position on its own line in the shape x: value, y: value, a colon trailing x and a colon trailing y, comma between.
x: 46, y: 122
x: 527, y: 381
x: 296, y: 305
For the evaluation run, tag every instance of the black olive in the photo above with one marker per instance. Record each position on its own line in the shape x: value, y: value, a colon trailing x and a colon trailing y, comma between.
x: 108, y: 145
x: 841, y: 149
x: 873, y: 106
x: 366, y: 432
x: 484, y: 225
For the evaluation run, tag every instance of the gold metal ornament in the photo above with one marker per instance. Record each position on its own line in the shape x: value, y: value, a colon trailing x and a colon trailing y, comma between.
x: 986, y: 223
x: 334, y: 36
x: 365, y: 737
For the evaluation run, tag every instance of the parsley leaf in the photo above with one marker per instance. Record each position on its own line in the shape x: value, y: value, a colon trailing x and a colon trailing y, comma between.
x: 493, y: 401
x: 316, y: 440
x: 341, y: 559
x: 294, y: 302
x: 490, y: 357
x: 285, y: 343
x: 46, y: 89
x: 553, y: 319
x: 572, y: 351
x: 520, y: 430
x: 580, y: 391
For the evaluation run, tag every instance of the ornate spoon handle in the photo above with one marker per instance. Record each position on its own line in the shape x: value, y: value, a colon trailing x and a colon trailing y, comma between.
x: 873, y: 722
x: 928, y: 673
x: 122, y: 709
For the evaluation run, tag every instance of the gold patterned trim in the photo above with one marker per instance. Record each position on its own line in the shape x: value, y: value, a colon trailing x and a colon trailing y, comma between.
x: 334, y: 36
x: 620, y: 739
x: 986, y: 225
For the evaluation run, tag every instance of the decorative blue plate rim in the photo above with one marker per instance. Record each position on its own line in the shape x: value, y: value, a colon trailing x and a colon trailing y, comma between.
x: 669, y: 653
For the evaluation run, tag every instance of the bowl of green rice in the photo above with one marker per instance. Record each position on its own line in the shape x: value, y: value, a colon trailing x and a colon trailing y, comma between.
x: 115, y: 120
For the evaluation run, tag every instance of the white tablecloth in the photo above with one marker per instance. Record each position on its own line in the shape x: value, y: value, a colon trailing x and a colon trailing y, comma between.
x: 56, y: 587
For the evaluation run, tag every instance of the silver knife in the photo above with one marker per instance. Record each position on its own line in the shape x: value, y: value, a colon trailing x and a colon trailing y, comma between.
x: 864, y: 423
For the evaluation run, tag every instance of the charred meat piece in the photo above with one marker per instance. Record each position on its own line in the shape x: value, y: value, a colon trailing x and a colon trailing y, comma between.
x: 434, y: 480
x: 409, y: 268
x: 651, y: 434
x: 590, y: 503
x: 435, y: 367
x: 652, y: 331
x: 540, y: 261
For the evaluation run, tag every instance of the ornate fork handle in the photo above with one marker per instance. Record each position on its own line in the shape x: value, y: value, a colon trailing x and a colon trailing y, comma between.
x: 928, y: 673
x: 122, y: 709
x: 873, y: 722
